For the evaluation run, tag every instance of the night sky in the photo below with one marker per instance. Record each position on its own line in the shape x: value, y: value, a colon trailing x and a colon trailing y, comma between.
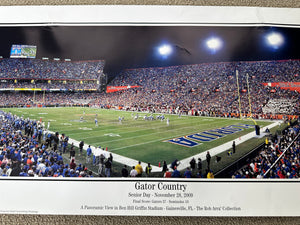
x: 136, y: 46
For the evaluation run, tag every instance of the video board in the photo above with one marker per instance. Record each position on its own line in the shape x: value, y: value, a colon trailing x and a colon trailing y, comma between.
x: 23, y: 51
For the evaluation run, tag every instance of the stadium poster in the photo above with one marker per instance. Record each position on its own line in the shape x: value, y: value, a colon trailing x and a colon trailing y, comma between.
x: 78, y: 58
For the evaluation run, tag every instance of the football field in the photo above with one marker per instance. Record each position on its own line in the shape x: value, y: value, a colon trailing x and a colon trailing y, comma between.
x: 145, y: 140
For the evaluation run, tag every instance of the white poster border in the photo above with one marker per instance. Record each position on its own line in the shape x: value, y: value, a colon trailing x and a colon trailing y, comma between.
x: 120, y: 196
x: 147, y: 15
x: 150, y: 197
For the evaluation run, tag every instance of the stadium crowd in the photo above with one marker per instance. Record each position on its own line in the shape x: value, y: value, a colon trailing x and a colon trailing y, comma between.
x: 50, y: 69
x: 53, y: 84
x: 205, y: 89
x: 22, y: 99
x: 27, y: 150
x: 208, y: 89
x: 280, y: 158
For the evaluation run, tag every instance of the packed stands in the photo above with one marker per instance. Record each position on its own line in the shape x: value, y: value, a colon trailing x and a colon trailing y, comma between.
x: 50, y: 69
x: 280, y: 106
x: 205, y: 89
x: 29, y: 99
x: 25, y: 151
x: 50, y: 74
x: 48, y: 85
x: 279, y: 158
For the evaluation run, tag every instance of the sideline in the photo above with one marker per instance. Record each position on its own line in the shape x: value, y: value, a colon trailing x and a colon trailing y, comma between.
x: 118, y: 158
x: 184, y: 163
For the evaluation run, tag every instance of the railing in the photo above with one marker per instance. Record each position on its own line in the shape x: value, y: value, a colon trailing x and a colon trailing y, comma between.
x: 287, y: 148
x: 229, y: 170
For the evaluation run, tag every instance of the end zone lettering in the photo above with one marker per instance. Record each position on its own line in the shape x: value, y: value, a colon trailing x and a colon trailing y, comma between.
x: 183, y: 142
x: 199, y: 137
x: 206, y: 136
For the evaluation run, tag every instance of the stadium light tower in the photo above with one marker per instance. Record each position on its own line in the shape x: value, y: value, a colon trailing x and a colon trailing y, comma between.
x: 214, y: 44
x: 165, y: 50
x: 274, y: 39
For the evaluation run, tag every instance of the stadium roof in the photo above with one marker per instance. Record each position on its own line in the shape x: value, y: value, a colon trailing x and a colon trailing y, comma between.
x: 136, y: 46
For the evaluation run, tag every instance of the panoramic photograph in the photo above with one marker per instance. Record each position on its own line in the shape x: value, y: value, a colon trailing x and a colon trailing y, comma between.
x: 150, y: 101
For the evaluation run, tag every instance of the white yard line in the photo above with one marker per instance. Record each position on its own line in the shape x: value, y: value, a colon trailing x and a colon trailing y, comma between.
x: 118, y: 158
x: 143, y: 135
x: 133, y: 131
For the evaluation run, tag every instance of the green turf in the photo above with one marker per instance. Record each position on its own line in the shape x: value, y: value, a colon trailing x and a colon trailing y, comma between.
x: 137, y: 139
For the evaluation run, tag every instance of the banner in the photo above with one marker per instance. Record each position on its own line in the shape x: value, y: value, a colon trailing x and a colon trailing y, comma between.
x: 110, y: 89
x: 292, y: 86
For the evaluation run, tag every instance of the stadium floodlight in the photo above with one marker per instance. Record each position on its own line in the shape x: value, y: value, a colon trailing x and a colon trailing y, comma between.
x: 274, y: 39
x: 165, y: 50
x: 214, y: 44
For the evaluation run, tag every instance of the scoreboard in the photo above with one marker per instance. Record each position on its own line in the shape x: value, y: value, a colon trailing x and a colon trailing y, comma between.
x: 23, y: 51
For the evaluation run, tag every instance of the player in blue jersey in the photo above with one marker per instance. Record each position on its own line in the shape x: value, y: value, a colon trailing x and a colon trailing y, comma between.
x: 88, y: 154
